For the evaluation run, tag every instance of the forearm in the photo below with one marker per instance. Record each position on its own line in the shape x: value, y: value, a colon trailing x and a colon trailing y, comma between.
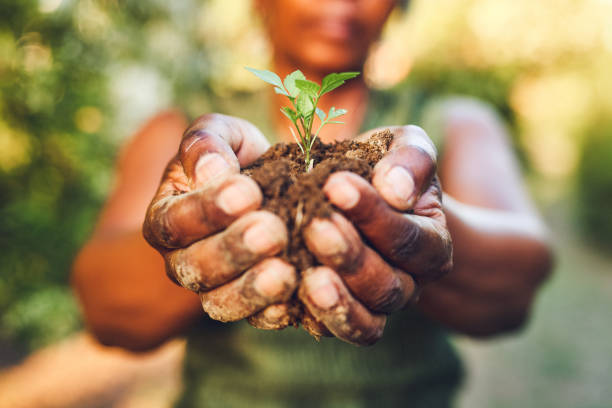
x: 126, y: 298
x: 500, y: 259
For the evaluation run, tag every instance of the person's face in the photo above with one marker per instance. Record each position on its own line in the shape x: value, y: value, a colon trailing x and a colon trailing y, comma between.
x: 324, y: 35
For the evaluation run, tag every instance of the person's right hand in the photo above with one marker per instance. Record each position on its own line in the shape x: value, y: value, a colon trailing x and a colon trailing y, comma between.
x: 203, y: 220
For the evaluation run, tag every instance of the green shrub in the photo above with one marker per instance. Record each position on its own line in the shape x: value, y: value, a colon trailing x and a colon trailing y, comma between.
x: 595, y: 184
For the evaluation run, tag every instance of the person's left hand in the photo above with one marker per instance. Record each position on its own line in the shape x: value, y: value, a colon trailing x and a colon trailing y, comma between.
x: 405, y: 242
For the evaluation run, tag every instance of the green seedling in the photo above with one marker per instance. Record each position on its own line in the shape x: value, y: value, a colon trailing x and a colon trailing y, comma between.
x: 304, y: 96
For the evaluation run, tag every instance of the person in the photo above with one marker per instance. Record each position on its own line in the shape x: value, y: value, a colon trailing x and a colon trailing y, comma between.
x: 399, y: 289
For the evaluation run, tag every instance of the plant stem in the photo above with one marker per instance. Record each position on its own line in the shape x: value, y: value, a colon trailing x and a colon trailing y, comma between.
x: 309, y: 137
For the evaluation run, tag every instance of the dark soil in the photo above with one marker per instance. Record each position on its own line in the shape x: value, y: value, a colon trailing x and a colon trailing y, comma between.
x: 296, y: 196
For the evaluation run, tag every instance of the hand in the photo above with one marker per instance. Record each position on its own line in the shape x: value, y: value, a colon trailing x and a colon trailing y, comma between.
x: 408, y: 244
x: 203, y: 222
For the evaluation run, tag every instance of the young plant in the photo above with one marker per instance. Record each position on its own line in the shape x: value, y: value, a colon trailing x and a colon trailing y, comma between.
x: 304, y: 96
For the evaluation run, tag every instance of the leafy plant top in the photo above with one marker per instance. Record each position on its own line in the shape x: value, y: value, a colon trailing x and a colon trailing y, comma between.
x: 304, y: 96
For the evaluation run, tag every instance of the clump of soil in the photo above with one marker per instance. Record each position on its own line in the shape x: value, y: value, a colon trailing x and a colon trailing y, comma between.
x: 296, y: 196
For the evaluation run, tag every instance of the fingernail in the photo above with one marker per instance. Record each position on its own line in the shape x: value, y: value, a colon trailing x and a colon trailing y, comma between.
x: 400, y: 183
x: 237, y: 197
x: 326, y: 238
x: 342, y: 194
x: 274, y: 279
x: 263, y: 238
x: 322, y: 291
x: 210, y: 166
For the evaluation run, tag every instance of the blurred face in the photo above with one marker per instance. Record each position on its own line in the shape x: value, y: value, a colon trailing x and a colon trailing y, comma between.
x: 324, y: 35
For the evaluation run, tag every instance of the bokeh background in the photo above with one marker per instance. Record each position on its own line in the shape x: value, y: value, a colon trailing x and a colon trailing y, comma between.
x: 77, y: 77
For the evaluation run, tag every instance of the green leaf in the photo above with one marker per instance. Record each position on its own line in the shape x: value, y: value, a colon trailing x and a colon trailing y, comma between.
x: 290, y: 82
x: 335, y: 121
x: 333, y: 113
x: 290, y: 113
x: 268, y: 76
x: 342, y: 76
x: 320, y: 114
x: 304, y: 105
x: 309, y: 87
x: 334, y: 80
x: 280, y: 91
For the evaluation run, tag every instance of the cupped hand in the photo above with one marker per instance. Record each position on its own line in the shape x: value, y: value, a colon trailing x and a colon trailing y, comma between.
x: 388, y: 239
x: 204, y: 221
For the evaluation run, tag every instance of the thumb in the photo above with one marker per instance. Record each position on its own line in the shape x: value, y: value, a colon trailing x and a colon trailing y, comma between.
x: 216, y: 145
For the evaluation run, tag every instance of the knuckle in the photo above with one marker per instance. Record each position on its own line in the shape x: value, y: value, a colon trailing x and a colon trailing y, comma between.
x: 422, y: 155
x: 181, y: 268
x: 200, y: 139
x: 192, y: 136
x: 437, y: 266
x: 147, y: 231
x: 390, y: 299
x: 202, y: 122
x: 408, y: 244
x: 349, y: 261
x: 373, y: 337
x: 158, y: 228
x: 170, y: 272
x: 167, y: 235
x: 217, y: 310
x: 446, y: 268
x: 361, y: 334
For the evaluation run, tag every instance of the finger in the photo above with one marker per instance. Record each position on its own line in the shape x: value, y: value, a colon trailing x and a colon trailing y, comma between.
x: 419, y: 244
x: 206, y: 156
x: 216, y: 260
x: 175, y: 221
x: 329, y: 301
x: 216, y: 144
x: 378, y: 285
x: 244, y: 139
x: 270, y: 281
x: 403, y: 136
x: 275, y: 317
x: 407, y: 169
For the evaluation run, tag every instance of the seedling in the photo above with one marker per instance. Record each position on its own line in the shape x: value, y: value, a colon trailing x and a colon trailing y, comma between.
x: 304, y: 96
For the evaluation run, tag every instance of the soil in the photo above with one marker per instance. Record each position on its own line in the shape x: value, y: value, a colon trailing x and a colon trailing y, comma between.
x: 296, y: 196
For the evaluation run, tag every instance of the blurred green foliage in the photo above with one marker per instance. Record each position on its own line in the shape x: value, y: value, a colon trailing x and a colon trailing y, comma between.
x: 53, y: 189
x: 490, y: 85
x: 594, y: 185
x: 61, y: 67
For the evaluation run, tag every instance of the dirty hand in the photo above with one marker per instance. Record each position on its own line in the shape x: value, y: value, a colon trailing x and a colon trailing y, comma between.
x: 406, y: 244
x: 203, y: 221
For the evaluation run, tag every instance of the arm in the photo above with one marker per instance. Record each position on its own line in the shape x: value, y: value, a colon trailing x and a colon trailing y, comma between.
x: 118, y: 277
x: 501, y: 253
x: 202, y: 220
